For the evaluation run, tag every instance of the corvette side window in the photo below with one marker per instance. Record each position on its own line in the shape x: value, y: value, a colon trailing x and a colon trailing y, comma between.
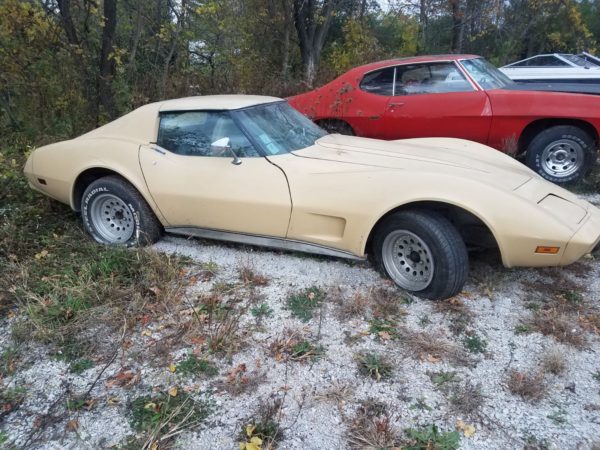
x: 380, y: 82
x: 192, y: 133
x: 433, y: 78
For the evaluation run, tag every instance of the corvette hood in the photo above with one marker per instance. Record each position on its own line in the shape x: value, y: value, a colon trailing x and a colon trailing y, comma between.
x: 443, y: 155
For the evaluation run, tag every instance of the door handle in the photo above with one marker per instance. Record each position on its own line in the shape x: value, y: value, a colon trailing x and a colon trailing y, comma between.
x: 395, y: 105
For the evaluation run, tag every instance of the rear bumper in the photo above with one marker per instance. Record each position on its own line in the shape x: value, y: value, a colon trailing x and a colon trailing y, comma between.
x: 585, y: 240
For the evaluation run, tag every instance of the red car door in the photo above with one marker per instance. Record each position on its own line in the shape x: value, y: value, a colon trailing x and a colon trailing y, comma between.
x: 436, y: 100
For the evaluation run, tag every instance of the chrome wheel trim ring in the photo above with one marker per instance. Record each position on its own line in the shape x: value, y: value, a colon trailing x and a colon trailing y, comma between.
x: 112, y: 218
x: 408, y: 260
x: 562, y: 158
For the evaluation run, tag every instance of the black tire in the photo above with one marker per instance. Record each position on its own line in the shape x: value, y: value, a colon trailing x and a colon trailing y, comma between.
x: 139, y: 224
x: 442, y: 243
x: 334, y: 126
x: 561, y: 154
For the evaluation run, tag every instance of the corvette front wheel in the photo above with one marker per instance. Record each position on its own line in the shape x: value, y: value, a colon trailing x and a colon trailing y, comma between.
x: 114, y: 212
x: 423, y: 253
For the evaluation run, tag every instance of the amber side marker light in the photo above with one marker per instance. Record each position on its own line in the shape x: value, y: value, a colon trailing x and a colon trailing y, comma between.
x: 547, y: 250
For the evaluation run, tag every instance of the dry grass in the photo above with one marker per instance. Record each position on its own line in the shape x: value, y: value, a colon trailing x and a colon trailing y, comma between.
x: 387, y: 303
x: 355, y: 306
x: 240, y: 380
x: 467, y: 399
x: 294, y: 346
x: 371, y: 428
x: 460, y: 315
x: 554, y: 361
x: 529, y: 386
x: 564, y: 328
x: 249, y: 276
x: 431, y: 347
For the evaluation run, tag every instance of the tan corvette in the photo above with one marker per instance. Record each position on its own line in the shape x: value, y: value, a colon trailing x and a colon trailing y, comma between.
x: 253, y: 170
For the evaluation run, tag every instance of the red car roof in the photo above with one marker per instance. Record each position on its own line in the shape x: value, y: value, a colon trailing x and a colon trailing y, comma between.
x: 412, y: 59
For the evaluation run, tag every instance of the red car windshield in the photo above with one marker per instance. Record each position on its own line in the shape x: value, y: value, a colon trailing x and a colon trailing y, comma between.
x: 485, y: 74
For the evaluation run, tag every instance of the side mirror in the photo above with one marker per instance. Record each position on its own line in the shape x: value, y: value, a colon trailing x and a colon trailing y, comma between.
x: 222, y: 146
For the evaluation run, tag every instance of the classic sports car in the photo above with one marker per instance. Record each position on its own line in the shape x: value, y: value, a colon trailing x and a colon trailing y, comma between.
x: 253, y: 170
x: 462, y: 96
x: 555, y: 67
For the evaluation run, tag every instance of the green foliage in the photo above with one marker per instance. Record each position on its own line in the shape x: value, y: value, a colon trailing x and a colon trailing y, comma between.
x: 302, y: 304
x: 159, y: 412
x: 374, y: 366
x: 81, y: 365
x: 262, y: 310
x: 475, y: 344
x: 430, y: 438
x: 383, y: 329
x: 193, y: 365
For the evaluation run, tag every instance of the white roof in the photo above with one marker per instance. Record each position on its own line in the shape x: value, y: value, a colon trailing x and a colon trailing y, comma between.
x: 217, y: 102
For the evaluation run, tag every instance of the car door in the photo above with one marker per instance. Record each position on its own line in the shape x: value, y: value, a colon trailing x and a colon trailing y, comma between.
x: 196, y: 184
x: 436, y: 100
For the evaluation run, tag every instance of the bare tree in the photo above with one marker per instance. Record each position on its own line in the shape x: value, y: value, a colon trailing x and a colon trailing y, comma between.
x: 106, y: 99
x: 312, y: 19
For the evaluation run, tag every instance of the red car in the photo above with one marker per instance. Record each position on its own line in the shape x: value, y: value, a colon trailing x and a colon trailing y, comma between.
x: 463, y: 96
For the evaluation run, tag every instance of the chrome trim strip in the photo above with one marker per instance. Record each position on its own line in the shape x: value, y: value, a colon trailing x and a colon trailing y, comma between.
x: 263, y: 241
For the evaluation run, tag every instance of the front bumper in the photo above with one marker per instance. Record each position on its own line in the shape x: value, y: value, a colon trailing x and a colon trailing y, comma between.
x: 585, y: 240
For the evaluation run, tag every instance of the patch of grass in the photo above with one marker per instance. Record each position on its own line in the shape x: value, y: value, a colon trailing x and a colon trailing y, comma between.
x: 261, y: 311
x: 441, y: 378
x: 240, y: 380
x: 264, y: 426
x: 475, y: 344
x: 460, y: 315
x: 11, y: 399
x: 302, y: 304
x: 8, y: 361
x: 193, y: 365
x: 573, y: 297
x: 372, y: 428
x: 467, y: 399
x: 421, y: 405
x: 431, y: 438
x: 249, y: 276
x: 162, y: 416
x: 523, y: 328
x: 387, y: 303
x: 305, y: 350
x: 590, y: 184
x: 355, y: 306
x: 292, y: 346
x: 565, y: 329
x: 374, y: 366
x: 530, y: 386
x: 554, y: 361
x: 427, y: 346
x: 81, y: 365
x: 383, y: 329
x: 596, y: 376
x: 208, y: 270
x: 558, y: 417
x: 78, y: 403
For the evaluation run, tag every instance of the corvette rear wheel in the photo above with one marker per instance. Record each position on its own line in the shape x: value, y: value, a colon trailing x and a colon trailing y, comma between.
x: 423, y: 253
x: 114, y: 212
x: 561, y: 154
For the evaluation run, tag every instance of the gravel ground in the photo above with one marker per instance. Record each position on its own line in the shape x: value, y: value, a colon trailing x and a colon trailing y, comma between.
x: 320, y: 398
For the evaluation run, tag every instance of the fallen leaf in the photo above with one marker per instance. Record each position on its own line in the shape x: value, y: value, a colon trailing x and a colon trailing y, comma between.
x: 385, y: 335
x: 154, y: 446
x: 173, y: 391
x: 72, y: 425
x: 250, y: 430
x: 147, y: 333
x: 41, y: 254
x: 172, y: 368
x: 467, y: 429
x: 111, y: 401
x: 432, y: 359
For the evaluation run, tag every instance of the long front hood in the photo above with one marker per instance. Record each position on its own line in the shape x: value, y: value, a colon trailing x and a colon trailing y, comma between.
x: 442, y: 155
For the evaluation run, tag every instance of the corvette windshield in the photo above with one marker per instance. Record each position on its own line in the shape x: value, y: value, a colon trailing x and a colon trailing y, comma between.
x: 485, y: 74
x: 278, y: 128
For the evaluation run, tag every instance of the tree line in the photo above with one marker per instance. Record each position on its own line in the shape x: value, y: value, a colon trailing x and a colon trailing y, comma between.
x: 67, y: 66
